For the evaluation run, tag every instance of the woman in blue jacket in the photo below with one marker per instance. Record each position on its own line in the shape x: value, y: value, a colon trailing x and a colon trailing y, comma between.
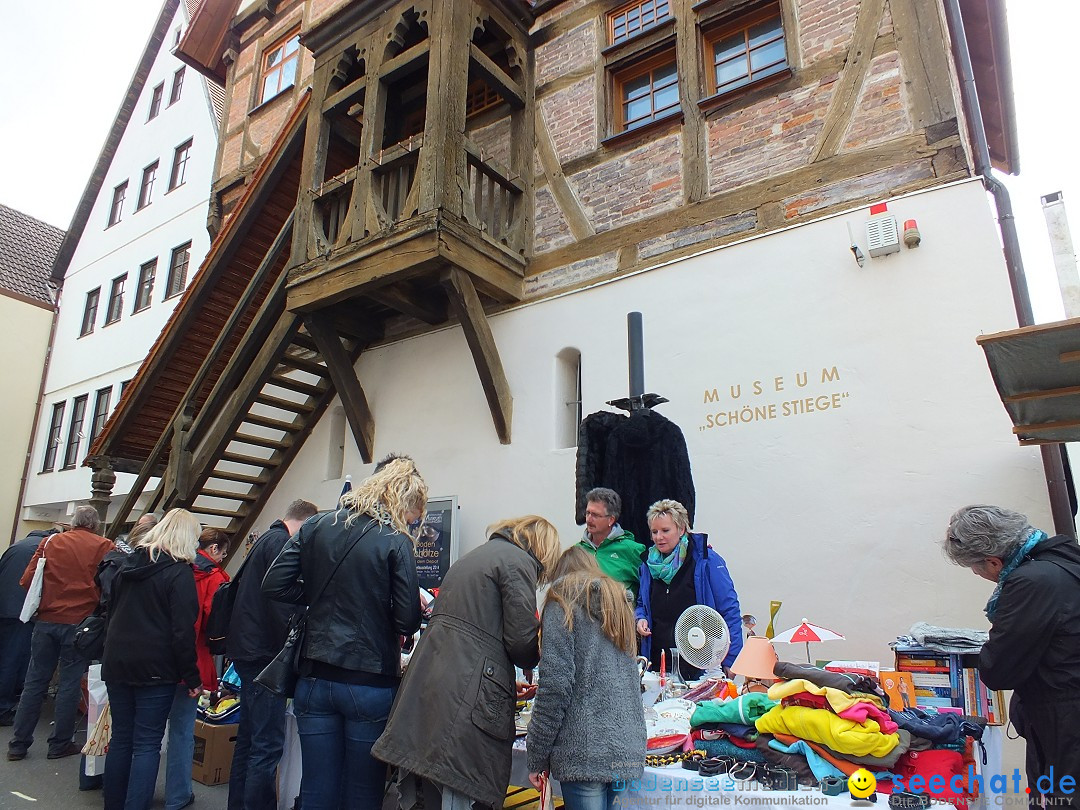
x: 681, y: 570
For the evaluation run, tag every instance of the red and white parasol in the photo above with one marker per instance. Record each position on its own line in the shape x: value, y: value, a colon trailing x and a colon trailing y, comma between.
x: 807, y: 632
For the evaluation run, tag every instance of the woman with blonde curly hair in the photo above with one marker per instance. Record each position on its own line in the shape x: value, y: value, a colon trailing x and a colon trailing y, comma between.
x: 587, y: 728
x: 682, y: 570
x: 355, y: 570
x: 453, y: 722
x: 149, y: 651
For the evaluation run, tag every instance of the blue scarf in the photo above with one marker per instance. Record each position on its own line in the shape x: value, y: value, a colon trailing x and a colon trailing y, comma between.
x: 665, y: 568
x: 1033, y: 539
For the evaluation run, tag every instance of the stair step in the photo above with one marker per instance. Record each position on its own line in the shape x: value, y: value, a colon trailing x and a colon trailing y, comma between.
x: 237, y: 458
x: 206, y: 510
x: 273, y: 424
x: 284, y: 404
x: 240, y: 478
x: 262, y: 441
x: 231, y: 496
x: 296, y: 385
x: 304, y: 341
x: 303, y: 364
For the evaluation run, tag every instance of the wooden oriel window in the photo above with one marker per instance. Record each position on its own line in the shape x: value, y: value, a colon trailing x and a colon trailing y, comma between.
x: 52, y: 443
x: 101, y: 411
x: 144, y: 292
x: 179, y: 164
x: 116, y: 300
x: 646, y: 92
x: 78, y: 414
x: 155, y: 101
x: 632, y: 19
x: 745, y: 51
x: 116, y: 210
x: 146, y: 190
x: 178, y: 267
x: 177, y: 86
x: 279, y: 67
x: 89, y: 316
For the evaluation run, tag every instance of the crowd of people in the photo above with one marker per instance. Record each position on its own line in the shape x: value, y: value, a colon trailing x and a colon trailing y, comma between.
x: 349, y: 577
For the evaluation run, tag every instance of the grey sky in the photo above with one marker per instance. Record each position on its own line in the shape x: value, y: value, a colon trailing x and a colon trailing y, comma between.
x: 76, y: 58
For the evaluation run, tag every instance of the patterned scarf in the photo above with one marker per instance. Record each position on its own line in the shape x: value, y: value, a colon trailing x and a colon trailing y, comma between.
x: 1034, y: 538
x: 665, y: 568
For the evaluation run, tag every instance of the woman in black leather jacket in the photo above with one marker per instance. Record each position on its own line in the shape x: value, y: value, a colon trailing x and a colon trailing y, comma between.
x: 356, y: 571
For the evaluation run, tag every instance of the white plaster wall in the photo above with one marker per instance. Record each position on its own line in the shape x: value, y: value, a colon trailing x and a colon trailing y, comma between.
x: 836, y: 513
x: 112, y: 354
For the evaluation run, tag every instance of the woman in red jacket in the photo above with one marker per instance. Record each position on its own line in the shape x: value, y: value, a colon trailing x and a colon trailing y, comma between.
x: 209, y: 576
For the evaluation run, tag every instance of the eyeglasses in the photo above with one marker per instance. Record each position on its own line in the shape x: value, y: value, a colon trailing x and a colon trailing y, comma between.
x: 595, y: 515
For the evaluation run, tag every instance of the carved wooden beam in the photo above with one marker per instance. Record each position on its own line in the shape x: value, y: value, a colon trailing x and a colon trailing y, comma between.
x: 496, y: 77
x: 343, y: 375
x: 459, y: 287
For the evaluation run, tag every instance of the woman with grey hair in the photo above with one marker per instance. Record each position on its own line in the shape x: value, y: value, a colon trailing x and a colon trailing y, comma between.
x: 1034, y: 645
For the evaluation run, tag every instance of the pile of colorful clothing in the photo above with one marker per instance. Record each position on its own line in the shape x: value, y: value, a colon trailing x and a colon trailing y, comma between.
x: 829, y: 724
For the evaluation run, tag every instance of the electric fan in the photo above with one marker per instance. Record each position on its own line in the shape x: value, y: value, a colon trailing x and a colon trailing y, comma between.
x: 702, y: 638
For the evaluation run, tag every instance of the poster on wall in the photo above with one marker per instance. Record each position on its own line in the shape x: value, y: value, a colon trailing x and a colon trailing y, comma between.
x: 437, y: 547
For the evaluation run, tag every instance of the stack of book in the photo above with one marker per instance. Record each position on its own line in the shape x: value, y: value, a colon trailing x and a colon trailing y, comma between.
x: 949, y: 682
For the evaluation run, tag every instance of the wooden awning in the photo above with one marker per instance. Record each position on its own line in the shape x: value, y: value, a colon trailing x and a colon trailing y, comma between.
x: 149, y: 403
x: 1037, y: 373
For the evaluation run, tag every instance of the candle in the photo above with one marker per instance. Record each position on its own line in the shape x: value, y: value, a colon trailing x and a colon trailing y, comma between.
x: 663, y: 669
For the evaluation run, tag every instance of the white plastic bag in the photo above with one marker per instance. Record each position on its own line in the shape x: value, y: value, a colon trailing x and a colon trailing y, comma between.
x: 33, y: 593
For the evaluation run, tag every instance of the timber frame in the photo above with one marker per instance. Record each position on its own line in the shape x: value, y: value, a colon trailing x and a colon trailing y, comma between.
x: 392, y: 201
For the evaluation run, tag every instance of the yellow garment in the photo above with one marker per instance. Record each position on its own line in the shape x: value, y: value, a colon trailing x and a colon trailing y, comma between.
x: 822, y: 726
x: 837, y: 698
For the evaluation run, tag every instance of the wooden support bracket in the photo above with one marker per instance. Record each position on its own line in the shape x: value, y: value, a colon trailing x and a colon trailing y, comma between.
x: 343, y: 375
x: 459, y: 287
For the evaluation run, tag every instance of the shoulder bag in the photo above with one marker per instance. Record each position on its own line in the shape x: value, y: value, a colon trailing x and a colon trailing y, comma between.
x: 281, y: 674
x: 33, y: 594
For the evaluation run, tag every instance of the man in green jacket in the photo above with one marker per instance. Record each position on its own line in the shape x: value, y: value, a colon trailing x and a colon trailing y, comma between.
x: 616, y: 550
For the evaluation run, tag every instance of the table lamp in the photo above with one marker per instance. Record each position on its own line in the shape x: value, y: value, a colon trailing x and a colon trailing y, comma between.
x: 755, y: 662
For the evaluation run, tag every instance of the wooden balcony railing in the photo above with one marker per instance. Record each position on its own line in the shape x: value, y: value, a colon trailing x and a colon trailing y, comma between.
x: 331, y: 204
x: 394, y: 186
x: 495, y: 202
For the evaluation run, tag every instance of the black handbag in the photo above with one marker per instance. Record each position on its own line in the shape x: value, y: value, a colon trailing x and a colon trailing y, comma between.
x: 281, y: 675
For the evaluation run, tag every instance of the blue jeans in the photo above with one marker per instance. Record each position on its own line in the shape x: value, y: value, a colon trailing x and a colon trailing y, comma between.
x: 14, y: 659
x: 338, y: 724
x: 51, y: 645
x: 588, y: 795
x: 260, y: 740
x: 181, y: 749
x: 139, y: 714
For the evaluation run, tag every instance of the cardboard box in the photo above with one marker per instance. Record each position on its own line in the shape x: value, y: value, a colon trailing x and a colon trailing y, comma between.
x: 211, y: 763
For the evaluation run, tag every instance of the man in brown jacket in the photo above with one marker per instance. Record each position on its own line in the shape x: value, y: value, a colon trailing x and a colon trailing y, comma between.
x: 68, y: 595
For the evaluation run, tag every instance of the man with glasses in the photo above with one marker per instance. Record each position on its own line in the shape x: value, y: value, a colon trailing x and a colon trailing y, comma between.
x: 617, y: 552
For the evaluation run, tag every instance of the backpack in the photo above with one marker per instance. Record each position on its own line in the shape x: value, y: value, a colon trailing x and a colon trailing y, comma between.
x: 221, y: 609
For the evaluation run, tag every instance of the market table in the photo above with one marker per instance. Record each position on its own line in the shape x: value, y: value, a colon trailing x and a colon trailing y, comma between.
x: 674, y: 786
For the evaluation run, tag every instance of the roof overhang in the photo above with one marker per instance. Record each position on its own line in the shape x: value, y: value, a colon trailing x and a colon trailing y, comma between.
x: 1037, y: 373
x: 988, y: 41
x: 204, y: 42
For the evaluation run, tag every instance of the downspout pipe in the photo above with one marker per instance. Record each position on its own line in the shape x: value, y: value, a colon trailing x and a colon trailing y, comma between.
x: 1053, y: 467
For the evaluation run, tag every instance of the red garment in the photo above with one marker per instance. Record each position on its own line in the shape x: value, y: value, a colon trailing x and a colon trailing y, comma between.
x: 209, y: 576
x: 936, y: 762
x: 68, y: 592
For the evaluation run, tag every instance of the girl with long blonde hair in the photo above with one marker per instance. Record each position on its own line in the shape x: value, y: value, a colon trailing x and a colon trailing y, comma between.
x: 587, y: 726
